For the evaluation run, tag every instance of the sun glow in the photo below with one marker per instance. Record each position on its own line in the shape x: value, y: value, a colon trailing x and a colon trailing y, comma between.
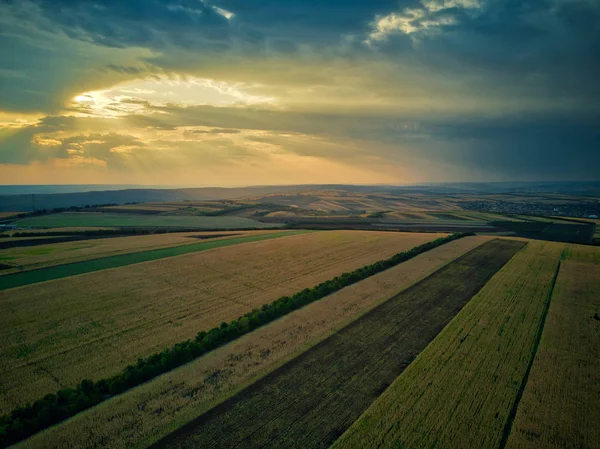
x: 84, y: 98
x: 146, y: 96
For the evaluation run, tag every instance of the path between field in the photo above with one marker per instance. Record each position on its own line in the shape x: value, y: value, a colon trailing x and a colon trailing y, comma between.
x: 314, y: 398
x: 103, y: 263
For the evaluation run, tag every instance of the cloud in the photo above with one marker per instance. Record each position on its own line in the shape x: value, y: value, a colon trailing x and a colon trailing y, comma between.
x: 148, y: 23
x: 429, y: 16
x: 443, y: 88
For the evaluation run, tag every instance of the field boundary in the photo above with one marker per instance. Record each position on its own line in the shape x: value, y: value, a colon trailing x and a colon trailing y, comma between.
x: 538, y: 338
x: 60, y: 271
x: 67, y: 402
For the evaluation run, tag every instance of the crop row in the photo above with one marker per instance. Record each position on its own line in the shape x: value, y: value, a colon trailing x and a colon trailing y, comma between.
x: 53, y: 408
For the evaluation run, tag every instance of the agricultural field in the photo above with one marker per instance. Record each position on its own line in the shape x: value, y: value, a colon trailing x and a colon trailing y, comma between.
x: 53, y: 334
x: 27, y: 258
x: 597, y: 229
x: 461, y: 391
x: 27, y: 277
x: 149, y: 412
x: 61, y: 231
x: 4, y: 215
x: 99, y: 219
x: 309, y: 401
x: 560, y: 405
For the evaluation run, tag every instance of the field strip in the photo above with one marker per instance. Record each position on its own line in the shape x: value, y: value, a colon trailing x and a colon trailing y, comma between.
x: 312, y: 399
x: 69, y: 326
x: 152, y: 410
x: 103, y: 263
x: 561, y: 402
x: 64, y: 250
x: 67, y: 402
x: 513, y: 410
x: 460, y: 390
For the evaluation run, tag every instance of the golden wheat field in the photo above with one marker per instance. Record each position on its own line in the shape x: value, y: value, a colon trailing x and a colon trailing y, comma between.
x: 460, y: 390
x: 152, y: 410
x: 560, y: 405
x: 32, y: 257
x: 54, y: 334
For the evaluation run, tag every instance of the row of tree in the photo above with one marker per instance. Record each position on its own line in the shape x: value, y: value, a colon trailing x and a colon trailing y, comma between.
x: 53, y: 408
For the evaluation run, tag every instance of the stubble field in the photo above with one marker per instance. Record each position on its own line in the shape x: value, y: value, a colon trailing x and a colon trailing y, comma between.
x: 54, y: 334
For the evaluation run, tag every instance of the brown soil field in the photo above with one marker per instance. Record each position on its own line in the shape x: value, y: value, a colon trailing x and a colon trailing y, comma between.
x: 8, y: 214
x: 149, y: 412
x: 29, y: 258
x: 56, y: 333
x: 460, y: 391
x: 560, y: 406
x: 311, y: 400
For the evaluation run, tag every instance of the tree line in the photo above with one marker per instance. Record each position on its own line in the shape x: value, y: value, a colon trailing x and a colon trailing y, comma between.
x: 25, y: 421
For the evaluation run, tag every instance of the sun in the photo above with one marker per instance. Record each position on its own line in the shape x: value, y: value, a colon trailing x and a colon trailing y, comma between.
x: 84, y: 98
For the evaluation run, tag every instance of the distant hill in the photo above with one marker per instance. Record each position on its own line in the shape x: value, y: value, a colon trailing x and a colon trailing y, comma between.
x: 26, y: 202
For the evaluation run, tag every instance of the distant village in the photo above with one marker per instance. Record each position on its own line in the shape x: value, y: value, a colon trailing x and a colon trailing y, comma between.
x: 576, y: 210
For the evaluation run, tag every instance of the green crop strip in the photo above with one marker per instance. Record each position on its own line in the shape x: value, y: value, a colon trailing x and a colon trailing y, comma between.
x: 88, y: 266
x: 25, y: 421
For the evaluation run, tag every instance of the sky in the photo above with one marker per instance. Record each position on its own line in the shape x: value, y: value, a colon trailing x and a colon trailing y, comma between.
x: 249, y: 92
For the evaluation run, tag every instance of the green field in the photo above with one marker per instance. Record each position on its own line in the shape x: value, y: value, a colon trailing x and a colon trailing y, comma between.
x: 560, y: 405
x: 87, y: 266
x: 90, y: 219
x: 461, y: 391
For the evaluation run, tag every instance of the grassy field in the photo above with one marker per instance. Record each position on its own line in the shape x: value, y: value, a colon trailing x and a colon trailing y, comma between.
x: 27, y: 258
x: 309, y: 401
x: 460, y: 391
x: 561, y: 402
x: 149, y: 412
x: 54, y: 334
x: 128, y: 258
x: 87, y: 219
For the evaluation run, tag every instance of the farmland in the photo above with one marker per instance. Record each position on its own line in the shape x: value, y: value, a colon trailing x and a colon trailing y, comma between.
x: 97, y: 323
x: 487, y: 370
x: 460, y: 391
x: 86, y: 266
x: 560, y: 406
x: 91, y: 219
x: 149, y: 412
x: 27, y: 258
x: 309, y: 401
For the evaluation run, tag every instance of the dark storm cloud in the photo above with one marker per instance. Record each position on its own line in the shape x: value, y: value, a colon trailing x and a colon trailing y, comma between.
x: 195, y: 23
x: 515, y: 148
x: 524, y: 148
x: 145, y: 23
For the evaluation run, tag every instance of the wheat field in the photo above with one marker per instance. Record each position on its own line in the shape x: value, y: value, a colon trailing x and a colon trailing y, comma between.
x: 54, y: 334
x: 152, y: 410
